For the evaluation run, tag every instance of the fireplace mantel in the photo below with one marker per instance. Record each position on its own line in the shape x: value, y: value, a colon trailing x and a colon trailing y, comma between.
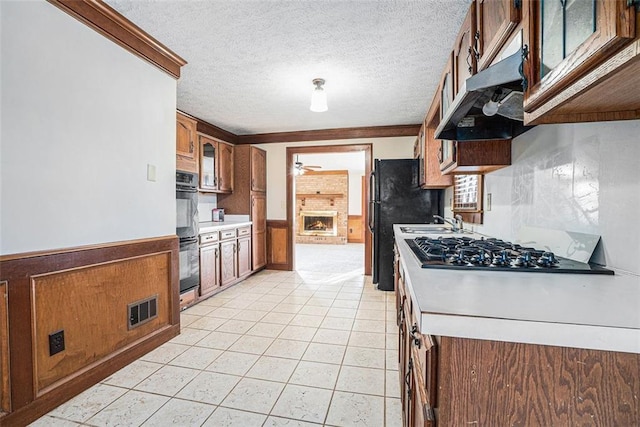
x: 331, y: 197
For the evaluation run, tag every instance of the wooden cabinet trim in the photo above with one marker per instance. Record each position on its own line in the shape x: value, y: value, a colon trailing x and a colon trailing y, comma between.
x: 488, y: 49
x: 111, y: 24
x: 615, y: 28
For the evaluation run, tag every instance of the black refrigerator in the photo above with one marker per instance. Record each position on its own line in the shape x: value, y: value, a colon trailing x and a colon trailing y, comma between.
x: 395, y: 197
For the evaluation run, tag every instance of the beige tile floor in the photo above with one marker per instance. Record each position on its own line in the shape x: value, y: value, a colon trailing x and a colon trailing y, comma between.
x: 279, y: 349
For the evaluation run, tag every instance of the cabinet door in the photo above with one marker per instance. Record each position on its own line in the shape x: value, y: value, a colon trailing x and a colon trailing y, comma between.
x: 259, y: 235
x: 225, y: 167
x: 244, y: 256
x: 419, y: 150
x: 464, y: 61
x: 186, y: 144
x: 258, y: 170
x: 228, y: 262
x: 570, y: 39
x: 420, y: 412
x: 209, y: 270
x: 446, y: 88
x: 496, y: 19
x: 208, y: 167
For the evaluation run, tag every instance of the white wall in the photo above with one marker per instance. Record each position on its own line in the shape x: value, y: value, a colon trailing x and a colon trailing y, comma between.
x: 383, y: 148
x: 574, y: 177
x: 81, y: 119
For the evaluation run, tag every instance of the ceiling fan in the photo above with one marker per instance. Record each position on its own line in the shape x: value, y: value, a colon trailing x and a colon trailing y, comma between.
x: 300, y: 167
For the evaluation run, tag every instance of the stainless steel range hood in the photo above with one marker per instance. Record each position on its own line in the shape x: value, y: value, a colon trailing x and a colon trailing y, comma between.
x: 501, y: 83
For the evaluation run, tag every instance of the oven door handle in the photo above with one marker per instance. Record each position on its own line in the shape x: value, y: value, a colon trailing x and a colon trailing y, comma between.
x: 186, y: 189
x: 188, y: 241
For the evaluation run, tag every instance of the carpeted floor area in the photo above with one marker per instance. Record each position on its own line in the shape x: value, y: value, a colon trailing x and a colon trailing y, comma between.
x: 347, y: 259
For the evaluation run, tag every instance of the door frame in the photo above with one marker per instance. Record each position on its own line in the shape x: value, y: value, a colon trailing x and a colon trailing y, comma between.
x: 323, y: 149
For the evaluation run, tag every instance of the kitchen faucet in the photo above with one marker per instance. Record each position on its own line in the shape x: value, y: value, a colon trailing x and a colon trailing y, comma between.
x: 456, y: 222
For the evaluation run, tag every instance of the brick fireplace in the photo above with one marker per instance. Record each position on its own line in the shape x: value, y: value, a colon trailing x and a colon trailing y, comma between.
x: 322, y: 205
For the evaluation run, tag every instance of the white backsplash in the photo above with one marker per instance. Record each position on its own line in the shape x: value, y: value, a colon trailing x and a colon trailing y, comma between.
x: 206, y: 202
x: 574, y: 177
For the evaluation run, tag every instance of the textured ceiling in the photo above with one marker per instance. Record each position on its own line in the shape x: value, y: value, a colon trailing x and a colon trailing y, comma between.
x: 250, y: 63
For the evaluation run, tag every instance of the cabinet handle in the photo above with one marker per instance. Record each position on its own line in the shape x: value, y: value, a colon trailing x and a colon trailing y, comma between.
x: 476, y: 46
x: 468, y: 60
x: 525, y: 56
x: 440, y: 155
x: 191, y: 147
x: 253, y: 182
x: 407, y: 378
x: 400, y: 314
x: 414, y: 337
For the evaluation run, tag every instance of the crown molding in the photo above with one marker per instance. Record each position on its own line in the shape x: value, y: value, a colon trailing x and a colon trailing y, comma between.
x: 331, y: 134
x: 111, y: 24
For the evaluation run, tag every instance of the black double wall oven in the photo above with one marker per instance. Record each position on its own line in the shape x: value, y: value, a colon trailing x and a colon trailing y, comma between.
x: 187, y: 229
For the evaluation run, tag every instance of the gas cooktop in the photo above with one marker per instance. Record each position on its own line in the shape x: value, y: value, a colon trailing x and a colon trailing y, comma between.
x: 465, y: 253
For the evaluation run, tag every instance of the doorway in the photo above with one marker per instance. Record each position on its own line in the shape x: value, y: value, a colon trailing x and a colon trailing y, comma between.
x: 292, y: 152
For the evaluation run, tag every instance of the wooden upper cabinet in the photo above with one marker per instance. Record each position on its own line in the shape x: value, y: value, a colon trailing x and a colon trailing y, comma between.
x: 433, y: 178
x: 208, y: 163
x: 568, y: 42
x: 495, y: 20
x: 186, y: 144
x: 225, y: 167
x: 464, y: 61
x: 258, y: 170
x: 446, y: 88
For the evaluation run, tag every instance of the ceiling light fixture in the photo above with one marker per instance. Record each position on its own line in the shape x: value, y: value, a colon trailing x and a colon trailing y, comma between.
x: 318, y: 97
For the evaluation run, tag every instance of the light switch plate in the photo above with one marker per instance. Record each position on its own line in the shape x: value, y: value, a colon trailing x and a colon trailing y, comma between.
x: 488, y: 202
x: 151, y: 172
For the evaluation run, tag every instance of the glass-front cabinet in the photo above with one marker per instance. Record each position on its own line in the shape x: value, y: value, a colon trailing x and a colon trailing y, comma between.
x: 566, y: 38
x: 208, y: 166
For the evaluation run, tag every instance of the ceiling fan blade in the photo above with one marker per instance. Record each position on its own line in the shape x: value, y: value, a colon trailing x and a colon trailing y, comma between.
x: 314, y: 167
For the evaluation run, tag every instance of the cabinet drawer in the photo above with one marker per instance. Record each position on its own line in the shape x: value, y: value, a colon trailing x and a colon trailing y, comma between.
x: 244, y: 231
x: 209, y: 238
x: 227, y: 234
x: 188, y: 297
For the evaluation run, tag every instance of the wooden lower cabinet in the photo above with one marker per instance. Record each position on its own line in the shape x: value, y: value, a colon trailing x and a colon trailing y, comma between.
x: 259, y: 233
x: 228, y: 262
x: 244, y: 257
x: 209, y: 269
x: 451, y: 381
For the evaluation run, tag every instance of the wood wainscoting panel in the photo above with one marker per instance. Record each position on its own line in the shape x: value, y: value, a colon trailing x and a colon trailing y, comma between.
x: 85, y: 292
x: 5, y: 390
x: 90, y: 304
x: 355, y: 229
x: 278, y: 245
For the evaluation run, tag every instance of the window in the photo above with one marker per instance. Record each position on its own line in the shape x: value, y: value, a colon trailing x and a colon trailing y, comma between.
x: 467, y: 197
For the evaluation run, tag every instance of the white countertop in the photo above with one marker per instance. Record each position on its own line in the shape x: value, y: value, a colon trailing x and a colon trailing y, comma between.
x: 211, y: 226
x: 570, y: 310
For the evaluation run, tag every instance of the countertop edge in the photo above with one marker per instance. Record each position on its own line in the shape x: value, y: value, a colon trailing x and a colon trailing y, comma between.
x: 607, y: 338
x: 210, y: 227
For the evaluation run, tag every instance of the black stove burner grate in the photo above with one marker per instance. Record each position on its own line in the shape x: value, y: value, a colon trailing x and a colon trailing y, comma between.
x: 492, y: 254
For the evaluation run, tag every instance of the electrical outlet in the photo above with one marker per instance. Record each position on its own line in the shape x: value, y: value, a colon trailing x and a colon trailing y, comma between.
x: 56, y: 342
